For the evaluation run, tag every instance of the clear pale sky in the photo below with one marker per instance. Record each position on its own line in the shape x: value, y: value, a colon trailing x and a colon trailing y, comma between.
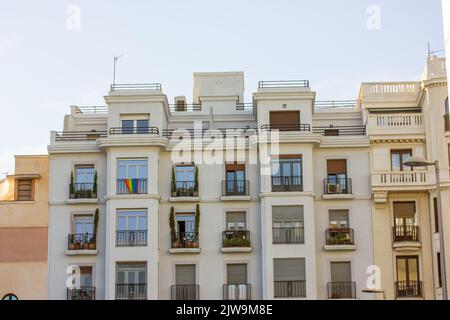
x: 46, y: 66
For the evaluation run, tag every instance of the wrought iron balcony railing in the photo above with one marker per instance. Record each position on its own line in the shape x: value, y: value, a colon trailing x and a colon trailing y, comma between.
x: 340, y: 130
x: 341, y: 290
x: 184, y: 240
x: 134, y: 130
x: 287, y: 183
x: 131, y: 238
x: 235, y: 188
x: 283, y: 84
x: 339, y: 236
x: 337, y: 186
x: 132, y: 186
x: 236, y: 238
x: 185, y: 189
x: 81, y: 241
x: 290, y: 289
x: 286, y: 235
x: 131, y: 291
x: 242, y: 291
x: 185, y: 292
x: 287, y: 127
x: 404, y: 289
x: 82, y: 293
x: 405, y: 233
x: 82, y: 191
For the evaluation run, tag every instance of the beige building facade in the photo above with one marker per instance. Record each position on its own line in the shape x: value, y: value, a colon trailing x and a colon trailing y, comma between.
x: 24, y: 229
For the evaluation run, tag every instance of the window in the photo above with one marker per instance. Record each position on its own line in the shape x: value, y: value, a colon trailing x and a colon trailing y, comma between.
x: 287, y: 173
x: 86, y: 290
x: 236, y: 221
x: 129, y: 126
x: 341, y: 285
x: 408, y: 283
x: 185, y: 234
x: 439, y: 269
x: 185, y: 180
x: 287, y: 224
x: 10, y: 296
x: 185, y: 287
x: 337, y: 181
x: 237, y: 273
x: 24, y: 189
x: 83, y: 185
x: 289, y: 277
x: 237, y: 287
x: 285, y: 120
x: 338, y: 218
x: 131, y: 281
x: 131, y: 228
x: 405, y: 228
x: 398, y: 158
x: 83, y: 224
x: 235, y: 179
x: 436, y: 219
x: 132, y: 176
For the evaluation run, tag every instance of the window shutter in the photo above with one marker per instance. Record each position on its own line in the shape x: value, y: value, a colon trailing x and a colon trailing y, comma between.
x: 24, y: 189
x: 338, y: 215
x: 337, y: 166
x: 235, y: 167
x: 287, y: 213
x: 185, y: 274
x: 280, y: 118
x: 237, y: 273
x: 235, y: 217
x: 290, y: 269
x: 404, y: 209
x: 341, y: 271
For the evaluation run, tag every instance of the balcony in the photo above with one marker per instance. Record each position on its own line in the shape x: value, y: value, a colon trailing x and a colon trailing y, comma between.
x: 81, y: 244
x: 399, y: 180
x: 184, y: 107
x: 288, y: 235
x: 287, y: 183
x: 337, y: 188
x: 405, y: 237
x: 78, y: 135
x: 388, y: 92
x: 82, y: 191
x: 341, y: 290
x: 235, y: 190
x: 134, y: 130
x: 283, y: 86
x: 131, y: 238
x: 185, y: 292
x: 408, y: 289
x: 132, y: 186
x: 83, y: 293
x: 184, y: 189
x: 236, y: 241
x: 131, y: 291
x: 339, y: 239
x: 289, y: 289
x: 184, y: 242
x: 396, y: 124
x: 335, y: 131
x: 237, y: 291
x: 287, y: 127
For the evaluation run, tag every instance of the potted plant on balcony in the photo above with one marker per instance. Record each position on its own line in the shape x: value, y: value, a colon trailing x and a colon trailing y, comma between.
x: 71, y: 242
x: 197, y: 224
x: 93, y: 239
x: 173, y: 184
x: 195, y: 194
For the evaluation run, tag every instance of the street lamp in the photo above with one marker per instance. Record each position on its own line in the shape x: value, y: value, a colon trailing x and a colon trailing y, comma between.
x: 420, y: 162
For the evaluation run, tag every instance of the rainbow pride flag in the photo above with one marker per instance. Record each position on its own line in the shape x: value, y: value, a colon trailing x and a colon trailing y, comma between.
x: 132, y: 185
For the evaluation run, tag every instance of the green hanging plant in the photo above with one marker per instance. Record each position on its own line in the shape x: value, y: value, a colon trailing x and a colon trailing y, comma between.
x: 173, y: 186
x: 196, y: 182
x: 197, y: 219
x: 172, y: 222
x: 71, y: 186
x: 94, y: 188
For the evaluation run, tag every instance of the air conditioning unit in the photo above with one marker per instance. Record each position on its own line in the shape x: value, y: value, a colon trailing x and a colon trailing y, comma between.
x: 333, y: 188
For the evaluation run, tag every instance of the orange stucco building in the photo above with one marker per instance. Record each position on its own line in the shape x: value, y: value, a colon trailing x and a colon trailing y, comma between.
x: 24, y: 229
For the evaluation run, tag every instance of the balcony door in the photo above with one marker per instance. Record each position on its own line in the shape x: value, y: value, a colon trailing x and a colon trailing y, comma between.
x: 83, y: 224
x: 398, y: 158
x: 236, y: 221
x: 287, y: 224
x: 132, y: 176
x: 131, y: 281
x: 131, y: 228
x: 408, y: 283
x: 336, y: 176
x: 285, y: 120
x: 185, y: 282
x: 185, y: 224
x: 185, y: 179
x: 341, y: 280
x: 235, y: 178
x: 404, y: 221
x: 237, y: 288
x: 287, y: 173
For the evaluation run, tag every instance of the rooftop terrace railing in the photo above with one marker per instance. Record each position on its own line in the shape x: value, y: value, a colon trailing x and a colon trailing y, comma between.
x: 335, y: 104
x: 284, y: 84
x: 137, y: 86
x: 340, y: 130
x: 79, y: 135
x: 185, y: 107
x: 90, y: 109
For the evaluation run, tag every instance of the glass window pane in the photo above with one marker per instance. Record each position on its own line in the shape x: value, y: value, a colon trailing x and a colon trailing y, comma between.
x: 395, y: 160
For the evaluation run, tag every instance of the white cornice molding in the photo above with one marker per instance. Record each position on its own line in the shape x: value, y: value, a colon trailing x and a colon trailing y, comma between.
x: 120, y: 141
x: 72, y: 148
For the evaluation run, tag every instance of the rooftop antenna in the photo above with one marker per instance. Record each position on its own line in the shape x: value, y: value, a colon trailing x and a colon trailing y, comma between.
x: 432, y: 52
x: 115, y: 58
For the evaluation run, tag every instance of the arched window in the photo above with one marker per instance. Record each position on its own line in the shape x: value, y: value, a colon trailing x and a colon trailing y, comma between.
x: 10, y: 296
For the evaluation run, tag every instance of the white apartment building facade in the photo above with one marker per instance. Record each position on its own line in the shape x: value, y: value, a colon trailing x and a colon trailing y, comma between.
x: 287, y: 217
